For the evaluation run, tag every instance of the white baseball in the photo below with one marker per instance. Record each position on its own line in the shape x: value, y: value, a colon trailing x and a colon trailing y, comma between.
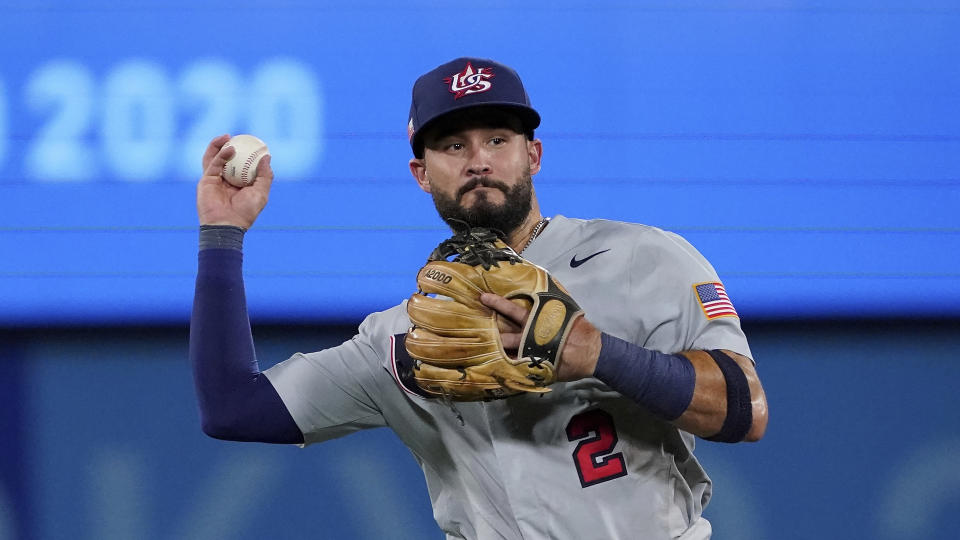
x: 241, y: 169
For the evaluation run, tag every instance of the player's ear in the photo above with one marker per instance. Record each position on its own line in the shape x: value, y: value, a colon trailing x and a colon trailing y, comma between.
x: 535, y: 155
x: 418, y: 168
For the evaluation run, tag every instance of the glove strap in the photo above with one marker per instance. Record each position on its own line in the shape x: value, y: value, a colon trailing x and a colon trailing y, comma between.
x: 548, y: 326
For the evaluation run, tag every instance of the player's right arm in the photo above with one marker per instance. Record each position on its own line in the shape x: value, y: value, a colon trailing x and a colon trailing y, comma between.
x: 307, y: 398
x: 237, y: 402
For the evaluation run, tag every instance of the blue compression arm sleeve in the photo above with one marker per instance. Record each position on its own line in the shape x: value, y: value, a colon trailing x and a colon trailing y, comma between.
x: 237, y: 402
x: 661, y: 383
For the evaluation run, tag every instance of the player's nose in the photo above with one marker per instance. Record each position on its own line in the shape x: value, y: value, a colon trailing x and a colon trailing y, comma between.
x: 479, y: 170
x: 480, y: 162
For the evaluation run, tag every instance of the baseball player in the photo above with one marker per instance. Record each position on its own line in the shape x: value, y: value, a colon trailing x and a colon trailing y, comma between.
x: 651, y: 355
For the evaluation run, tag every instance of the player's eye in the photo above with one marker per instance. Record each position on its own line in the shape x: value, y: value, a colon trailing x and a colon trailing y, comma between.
x: 497, y: 141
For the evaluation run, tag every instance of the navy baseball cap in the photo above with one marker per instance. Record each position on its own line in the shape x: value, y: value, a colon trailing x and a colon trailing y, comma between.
x: 464, y: 83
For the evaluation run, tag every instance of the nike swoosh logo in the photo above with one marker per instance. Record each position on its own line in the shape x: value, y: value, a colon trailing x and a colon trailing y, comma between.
x: 575, y: 263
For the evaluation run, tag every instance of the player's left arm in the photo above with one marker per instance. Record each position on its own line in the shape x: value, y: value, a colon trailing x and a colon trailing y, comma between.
x: 713, y: 394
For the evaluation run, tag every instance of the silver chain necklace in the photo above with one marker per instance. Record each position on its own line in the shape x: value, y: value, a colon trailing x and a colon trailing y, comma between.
x: 536, y: 232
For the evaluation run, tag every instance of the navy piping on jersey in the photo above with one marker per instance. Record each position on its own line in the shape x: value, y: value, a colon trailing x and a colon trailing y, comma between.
x: 403, y: 367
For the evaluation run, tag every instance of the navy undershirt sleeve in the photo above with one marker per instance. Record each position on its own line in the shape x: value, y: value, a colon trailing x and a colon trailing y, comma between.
x: 237, y: 402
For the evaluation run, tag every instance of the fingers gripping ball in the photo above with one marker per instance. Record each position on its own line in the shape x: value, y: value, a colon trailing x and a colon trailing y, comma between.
x: 455, y: 341
x: 241, y: 169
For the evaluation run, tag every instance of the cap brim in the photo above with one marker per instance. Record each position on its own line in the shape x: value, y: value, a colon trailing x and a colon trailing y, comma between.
x: 529, y: 120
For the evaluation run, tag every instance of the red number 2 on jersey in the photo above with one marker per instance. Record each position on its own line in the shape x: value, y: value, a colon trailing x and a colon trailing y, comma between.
x: 592, y: 456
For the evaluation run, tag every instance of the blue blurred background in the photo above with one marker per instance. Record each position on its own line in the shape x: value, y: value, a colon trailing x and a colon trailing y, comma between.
x: 810, y: 150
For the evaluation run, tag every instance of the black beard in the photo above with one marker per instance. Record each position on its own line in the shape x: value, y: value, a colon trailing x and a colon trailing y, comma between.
x: 506, y: 217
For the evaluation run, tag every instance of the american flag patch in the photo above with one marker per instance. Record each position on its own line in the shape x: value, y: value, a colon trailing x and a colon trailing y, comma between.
x: 714, y: 300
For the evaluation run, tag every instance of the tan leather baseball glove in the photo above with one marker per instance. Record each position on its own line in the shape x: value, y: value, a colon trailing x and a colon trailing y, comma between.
x: 455, y: 340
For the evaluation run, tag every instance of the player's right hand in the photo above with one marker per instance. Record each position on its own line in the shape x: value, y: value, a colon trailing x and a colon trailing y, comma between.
x: 219, y: 203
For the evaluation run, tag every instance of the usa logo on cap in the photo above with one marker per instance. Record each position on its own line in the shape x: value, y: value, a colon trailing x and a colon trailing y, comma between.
x: 470, y: 81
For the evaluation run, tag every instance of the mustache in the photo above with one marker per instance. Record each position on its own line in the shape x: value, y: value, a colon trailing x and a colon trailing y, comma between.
x: 484, y: 181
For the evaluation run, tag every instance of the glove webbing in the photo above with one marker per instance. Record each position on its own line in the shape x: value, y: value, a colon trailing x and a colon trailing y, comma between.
x: 474, y: 247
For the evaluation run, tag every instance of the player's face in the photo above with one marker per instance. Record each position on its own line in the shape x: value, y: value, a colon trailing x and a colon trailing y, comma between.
x: 480, y: 174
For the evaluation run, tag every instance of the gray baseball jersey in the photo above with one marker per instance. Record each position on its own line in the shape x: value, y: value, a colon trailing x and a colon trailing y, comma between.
x: 579, y: 462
